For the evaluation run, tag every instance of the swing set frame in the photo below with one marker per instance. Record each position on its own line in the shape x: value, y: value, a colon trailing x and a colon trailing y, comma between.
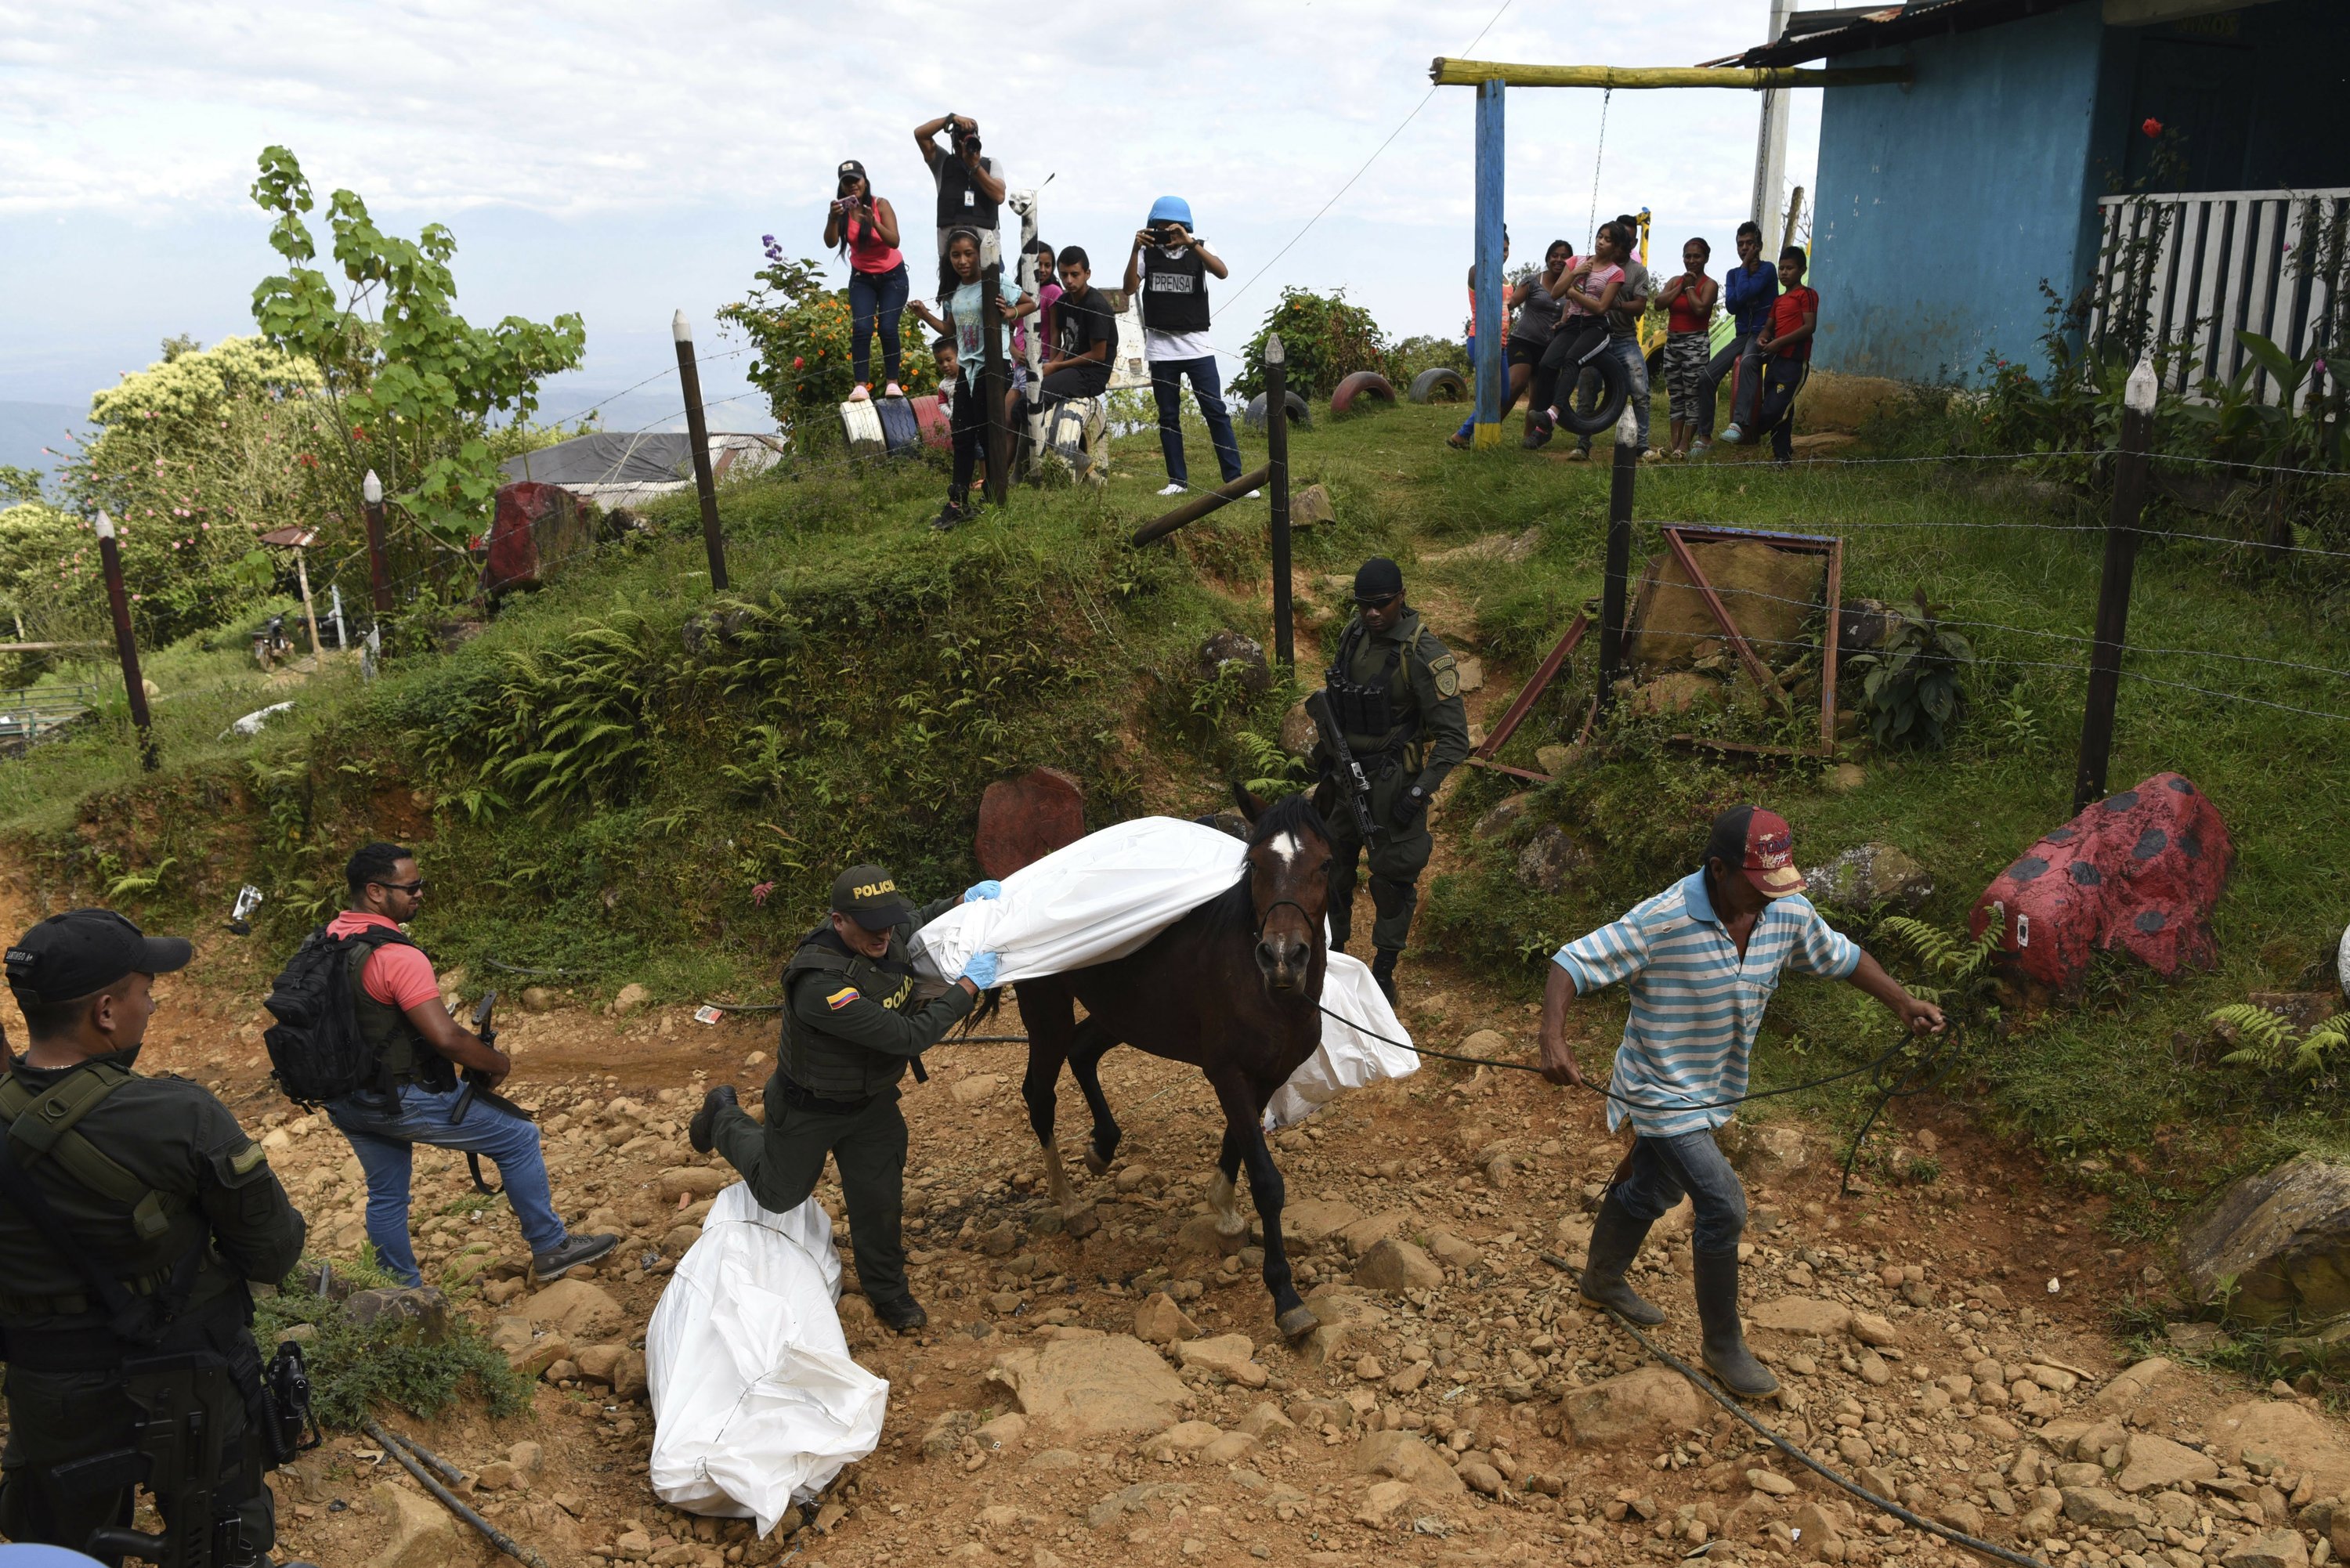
x: 1491, y: 77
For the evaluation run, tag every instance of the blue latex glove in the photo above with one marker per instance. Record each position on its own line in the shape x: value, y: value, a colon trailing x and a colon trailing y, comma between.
x: 991, y: 889
x: 980, y: 970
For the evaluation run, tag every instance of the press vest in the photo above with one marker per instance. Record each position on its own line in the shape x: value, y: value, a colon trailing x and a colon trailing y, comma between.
x: 1174, y: 290
x: 824, y: 1064
x: 955, y: 183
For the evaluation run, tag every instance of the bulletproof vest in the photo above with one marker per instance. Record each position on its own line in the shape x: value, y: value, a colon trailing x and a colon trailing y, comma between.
x: 1174, y: 291
x: 824, y: 1064
x: 962, y: 204
x: 1372, y: 714
x: 404, y: 1053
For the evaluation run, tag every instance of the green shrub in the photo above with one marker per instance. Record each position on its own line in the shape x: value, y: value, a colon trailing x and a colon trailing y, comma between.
x: 1325, y: 338
x: 1408, y: 359
x: 804, y: 334
x: 355, y: 1368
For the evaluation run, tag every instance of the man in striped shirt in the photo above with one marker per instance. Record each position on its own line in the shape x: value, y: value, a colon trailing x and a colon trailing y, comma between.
x: 1700, y: 961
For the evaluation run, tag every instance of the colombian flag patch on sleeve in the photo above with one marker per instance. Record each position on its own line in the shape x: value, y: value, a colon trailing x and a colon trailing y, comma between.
x: 841, y: 998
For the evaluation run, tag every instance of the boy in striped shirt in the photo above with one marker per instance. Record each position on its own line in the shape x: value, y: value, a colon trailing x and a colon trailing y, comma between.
x: 1699, y: 960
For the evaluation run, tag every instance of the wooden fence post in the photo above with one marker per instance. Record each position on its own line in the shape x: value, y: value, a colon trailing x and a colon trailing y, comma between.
x: 2114, y: 587
x: 993, y: 377
x: 697, y: 432
x: 1276, y: 441
x: 126, y: 646
x: 379, y: 567
x: 1613, y: 594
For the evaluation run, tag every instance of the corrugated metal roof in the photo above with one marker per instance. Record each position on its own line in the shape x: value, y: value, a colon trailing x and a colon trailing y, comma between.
x: 1886, y: 27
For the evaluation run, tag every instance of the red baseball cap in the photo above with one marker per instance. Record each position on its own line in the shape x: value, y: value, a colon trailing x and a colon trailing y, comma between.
x: 1759, y: 843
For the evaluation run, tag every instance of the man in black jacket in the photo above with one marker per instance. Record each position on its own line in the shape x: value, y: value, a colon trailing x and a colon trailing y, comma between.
x: 172, y: 1210
x: 854, y: 1017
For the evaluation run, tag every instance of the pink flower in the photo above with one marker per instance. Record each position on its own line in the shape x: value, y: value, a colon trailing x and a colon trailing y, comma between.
x: 2152, y: 127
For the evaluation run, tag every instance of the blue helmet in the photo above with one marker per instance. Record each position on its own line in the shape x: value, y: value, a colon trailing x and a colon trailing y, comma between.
x: 1172, y: 210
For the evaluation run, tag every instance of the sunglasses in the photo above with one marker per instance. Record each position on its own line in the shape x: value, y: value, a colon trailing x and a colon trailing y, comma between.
x: 411, y: 888
x: 1380, y: 603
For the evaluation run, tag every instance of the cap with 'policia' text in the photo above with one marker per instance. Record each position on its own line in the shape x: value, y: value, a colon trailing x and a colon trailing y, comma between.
x: 869, y: 895
x: 1759, y: 843
x: 82, y: 951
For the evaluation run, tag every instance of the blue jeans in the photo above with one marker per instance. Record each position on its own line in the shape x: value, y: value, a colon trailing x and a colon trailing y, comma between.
x: 1208, y: 388
x: 871, y: 295
x: 1741, y: 356
x: 1665, y: 1168
x: 385, y: 1142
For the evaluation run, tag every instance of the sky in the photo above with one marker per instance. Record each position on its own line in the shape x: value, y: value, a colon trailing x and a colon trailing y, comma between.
x: 623, y: 160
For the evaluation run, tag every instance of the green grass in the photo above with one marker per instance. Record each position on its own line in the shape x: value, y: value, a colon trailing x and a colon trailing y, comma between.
x: 613, y: 780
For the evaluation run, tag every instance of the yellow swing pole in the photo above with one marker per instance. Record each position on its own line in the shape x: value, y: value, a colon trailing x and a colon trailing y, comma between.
x: 1445, y: 72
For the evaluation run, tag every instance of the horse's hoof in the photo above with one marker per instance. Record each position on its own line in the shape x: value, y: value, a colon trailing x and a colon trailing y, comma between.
x: 1234, y: 1242
x: 1082, y: 1223
x: 1297, y: 1323
x: 1096, y: 1163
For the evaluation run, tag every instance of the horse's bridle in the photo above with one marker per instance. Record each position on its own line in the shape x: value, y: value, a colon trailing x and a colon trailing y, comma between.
x: 1276, y: 904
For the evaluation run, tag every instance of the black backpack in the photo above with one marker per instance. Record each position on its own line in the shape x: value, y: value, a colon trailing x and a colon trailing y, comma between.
x: 316, y: 1051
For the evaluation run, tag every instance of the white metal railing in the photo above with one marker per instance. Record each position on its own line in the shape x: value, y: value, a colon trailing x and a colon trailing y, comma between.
x: 2215, y: 261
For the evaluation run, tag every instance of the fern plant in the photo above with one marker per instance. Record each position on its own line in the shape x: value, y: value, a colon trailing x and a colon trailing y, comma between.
x: 2268, y: 1041
x: 1957, y: 959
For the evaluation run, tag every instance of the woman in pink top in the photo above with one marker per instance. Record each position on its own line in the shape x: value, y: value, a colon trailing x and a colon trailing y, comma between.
x: 863, y: 228
x: 1588, y: 295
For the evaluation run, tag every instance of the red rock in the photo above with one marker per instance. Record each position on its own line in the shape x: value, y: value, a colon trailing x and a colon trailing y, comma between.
x: 2140, y: 871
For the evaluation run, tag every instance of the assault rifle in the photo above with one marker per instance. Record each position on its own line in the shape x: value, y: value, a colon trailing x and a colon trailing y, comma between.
x: 477, y: 1087
x: 1355, y: 786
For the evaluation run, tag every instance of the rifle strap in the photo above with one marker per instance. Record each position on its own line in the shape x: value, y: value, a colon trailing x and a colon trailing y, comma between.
x: 473, y: 1164
x: 44, y: 1127
x: 22, y: 1190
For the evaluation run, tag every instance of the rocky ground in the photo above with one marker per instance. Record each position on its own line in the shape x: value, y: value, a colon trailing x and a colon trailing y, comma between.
x: 1126, y: 1398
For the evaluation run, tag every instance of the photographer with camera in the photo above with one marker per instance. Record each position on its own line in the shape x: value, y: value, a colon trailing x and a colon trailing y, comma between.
x: 133, y: 1211
x: 969, y: 188
x: 412, y: 1092
x: 863, y: 229
x: 1171, y: 268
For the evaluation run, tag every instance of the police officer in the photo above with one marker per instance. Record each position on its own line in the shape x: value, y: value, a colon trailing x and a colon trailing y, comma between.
x: 172, y: 1210
x: 854, y: 1016
x: 1395, y: 692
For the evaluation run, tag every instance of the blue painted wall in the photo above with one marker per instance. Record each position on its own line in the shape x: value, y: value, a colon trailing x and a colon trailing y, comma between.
x: 1942, y: 205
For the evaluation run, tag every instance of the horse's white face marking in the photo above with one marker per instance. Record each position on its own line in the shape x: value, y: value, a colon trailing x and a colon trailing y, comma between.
x: 1287, y: 846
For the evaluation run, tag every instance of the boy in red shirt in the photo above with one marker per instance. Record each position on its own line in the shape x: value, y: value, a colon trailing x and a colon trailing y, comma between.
x: 397, y: 1004
x: 1787, y: 345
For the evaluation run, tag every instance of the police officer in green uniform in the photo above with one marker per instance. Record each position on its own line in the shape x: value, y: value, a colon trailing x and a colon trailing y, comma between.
x: 173, y: 1209
x: 1396, y: 693
x: 855, y: 1016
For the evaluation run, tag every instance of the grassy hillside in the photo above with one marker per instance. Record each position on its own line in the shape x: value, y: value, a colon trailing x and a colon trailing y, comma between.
x: 625, y: 777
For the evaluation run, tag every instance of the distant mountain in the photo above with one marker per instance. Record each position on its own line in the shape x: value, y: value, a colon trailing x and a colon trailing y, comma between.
x: 27, y: 428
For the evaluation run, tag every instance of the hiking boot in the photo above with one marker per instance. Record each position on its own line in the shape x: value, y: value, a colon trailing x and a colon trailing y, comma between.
x: 1615, y: 1239
x: 904, y: 1315
x: 1724, y: 1350
x: 702, y: 1131
x: 558, y: 1261
x: 1383, y: 964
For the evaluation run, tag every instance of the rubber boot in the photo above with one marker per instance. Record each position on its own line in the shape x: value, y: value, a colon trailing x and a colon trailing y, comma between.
x: 1725, y: 1354
x: 1383, y: 964
x: 1615, y: 1239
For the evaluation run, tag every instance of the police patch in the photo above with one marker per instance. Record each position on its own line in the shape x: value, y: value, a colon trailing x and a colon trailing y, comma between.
x: 841, y: 998
x: 1448, y: 676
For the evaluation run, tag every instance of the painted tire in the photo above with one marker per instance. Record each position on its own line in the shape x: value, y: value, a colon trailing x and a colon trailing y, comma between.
x: 1361, y: 384
x: 1438, y: 384
x: 1615, y: 392
x: 1299, y: 414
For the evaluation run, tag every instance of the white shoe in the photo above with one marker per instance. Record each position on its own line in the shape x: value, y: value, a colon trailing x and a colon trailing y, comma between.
x: 860, y: 393
x: 1652, y: 455
x: 1733, y: 436
x: 1254, y: 494
x: 893, y: 390
x: 1173, y: 489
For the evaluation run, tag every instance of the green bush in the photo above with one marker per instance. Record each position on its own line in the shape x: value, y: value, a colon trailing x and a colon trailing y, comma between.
x: 355, y: 1368
x: 1324, y: 338
x: 805, y: 337
x: 1408, y: 359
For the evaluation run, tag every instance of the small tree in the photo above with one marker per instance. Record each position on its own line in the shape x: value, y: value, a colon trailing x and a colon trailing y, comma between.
x: 412, y: 387
x: 1326, y: 337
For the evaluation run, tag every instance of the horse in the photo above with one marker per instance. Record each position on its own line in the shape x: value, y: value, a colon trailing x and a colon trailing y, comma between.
x: 1234, y: 987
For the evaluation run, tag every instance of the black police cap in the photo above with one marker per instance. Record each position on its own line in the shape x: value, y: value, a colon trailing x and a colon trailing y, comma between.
x: 1379, y: 579
x: 83, y: 951
x: 869, y: 895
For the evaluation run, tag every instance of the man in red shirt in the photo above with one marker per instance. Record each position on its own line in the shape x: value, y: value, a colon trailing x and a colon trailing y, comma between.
x: 1786, y: 347
x: 397, y: 1006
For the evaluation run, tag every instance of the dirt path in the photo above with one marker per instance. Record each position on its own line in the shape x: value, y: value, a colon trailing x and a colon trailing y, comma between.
x: 1915, y: 1331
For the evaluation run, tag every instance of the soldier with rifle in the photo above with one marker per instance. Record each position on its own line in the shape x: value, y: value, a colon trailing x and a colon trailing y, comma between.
x: 1392, y: 727
x: 133, y: 1211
